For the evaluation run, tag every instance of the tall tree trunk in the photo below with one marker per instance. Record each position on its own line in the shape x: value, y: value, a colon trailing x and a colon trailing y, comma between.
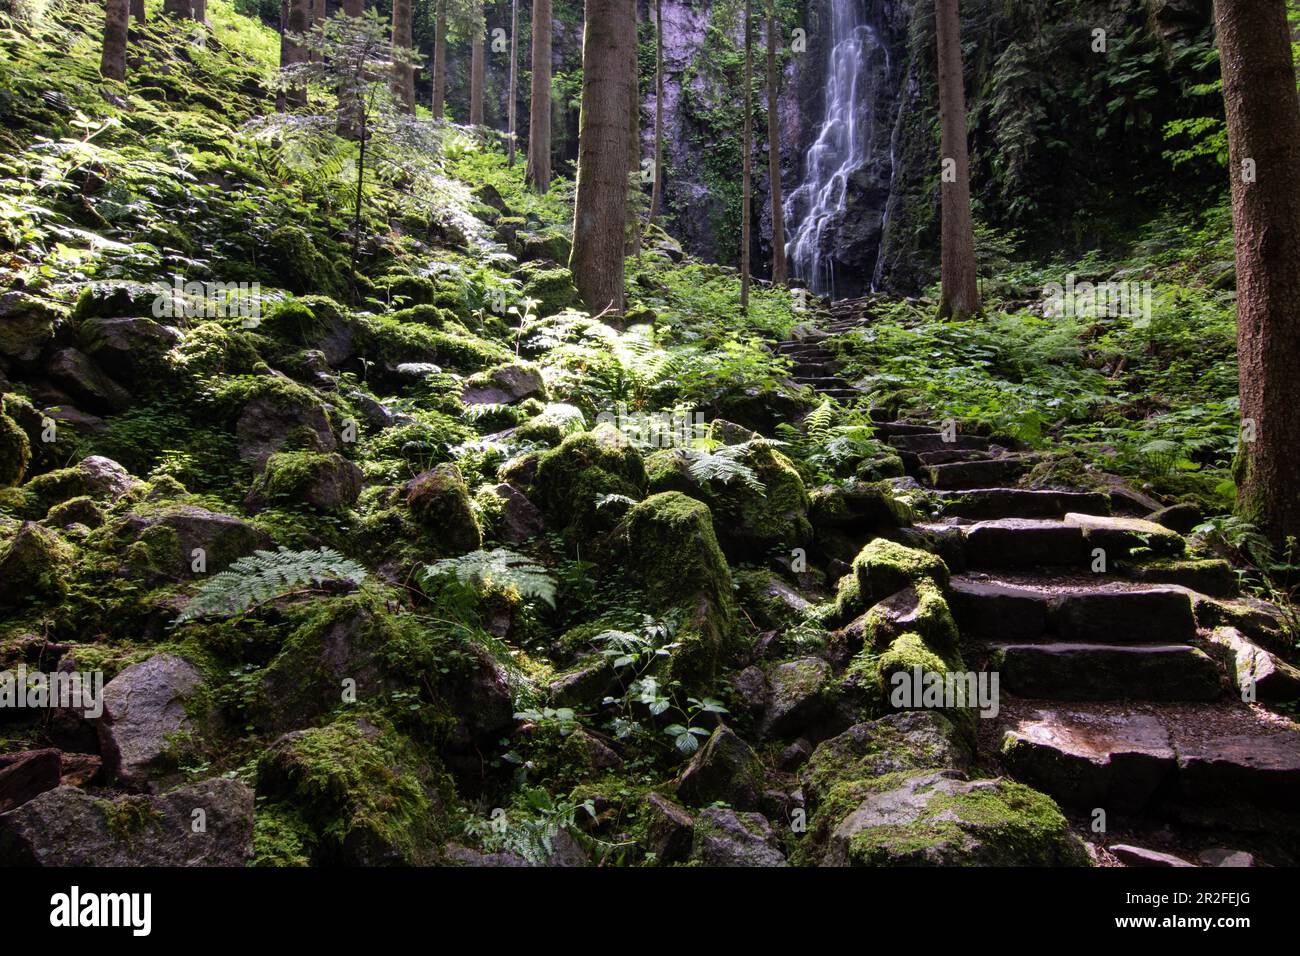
x: 117, y: 16
x: 199, y: 10
x: 538, y: 173
x: 354, y: 8
x: 779, y: 273
x: 178, y: 8
x: 634, y: 138
x: 747, y: 159
x: 138, y: 11
x: 512, y: 105
x: 600, y: 208
x: 959, y: 297
x: 476, y: 78
x: 297, y: 20
x: 403, y: 73
x: 657, y: 187
x: 439, y: 61
x: 1259, y: 91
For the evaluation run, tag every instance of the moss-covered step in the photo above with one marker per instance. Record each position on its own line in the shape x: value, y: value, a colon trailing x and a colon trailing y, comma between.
x: 1159, y: 672
x: 960, y: 475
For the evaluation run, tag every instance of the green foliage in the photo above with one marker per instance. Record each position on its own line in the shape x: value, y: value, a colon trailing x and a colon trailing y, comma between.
x: 265, y: 575
x: 500, y: 567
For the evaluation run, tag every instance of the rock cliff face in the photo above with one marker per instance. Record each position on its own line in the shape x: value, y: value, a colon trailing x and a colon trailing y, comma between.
x: 1049, y: 116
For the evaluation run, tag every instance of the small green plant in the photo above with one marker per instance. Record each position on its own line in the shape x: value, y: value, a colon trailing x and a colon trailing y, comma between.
x: 500, y: 567
x: 263, y: 575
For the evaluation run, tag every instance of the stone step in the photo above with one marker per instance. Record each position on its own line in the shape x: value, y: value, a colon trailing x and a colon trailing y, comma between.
x: 888, y: 429
x: 1207, y: 756
x: 981, y: 503
x: 960, y: 475
x: 1120, y: 537
x: 1106, y: 614
x: 948, y: 455
x: 936, y: 442
x: 1078, y: 671
x: 1022, y: 543
x: 822, y: 381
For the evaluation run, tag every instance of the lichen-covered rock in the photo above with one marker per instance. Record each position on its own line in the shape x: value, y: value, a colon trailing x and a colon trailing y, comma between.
x: 520, y: 518
x: 313, y: 322
x: 326, y: 482
x: 367, y: 795
x: 134, y: 830
x: 920, y: 609
x: 1258, y: 674
x: 132, y: 350
x: 15, y: 452
x: 504, y: 385
x: 144, y: 708
x: 769, y: 601
x: 551, y: 286
x: 668, y: 548
x: 34, y: 567
x: 100, y: 478
x: 571, y: 479
x: 669, y: 829
x: 440, y: 502
x: 27, y: 325
x: 87, y: 382
x: 797, y: 696
x: 938, y: 818
x: 725, y: 769
x: 726, y: 838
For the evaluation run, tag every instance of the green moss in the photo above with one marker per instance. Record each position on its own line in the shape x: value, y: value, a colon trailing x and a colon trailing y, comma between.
x: 305, y: 477
x: 211, y: 350
x: 292, y: 254
x: 923, y: 611
x: 34, y: 566
x: 883, y: 568
x: 402, y: 337
x: 671, y: 552
x: 907, y: 651
x: 551, y: 286
x: 571, y: 478
x: 15, y: 452
x: 281, y: 838
x: 369, y: 795
x: 127, y: 815
x: 440, y: 502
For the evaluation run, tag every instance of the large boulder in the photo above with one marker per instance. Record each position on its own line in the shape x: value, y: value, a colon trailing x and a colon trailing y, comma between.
x: 281, y: 414
x: 440, y: 502
x: 207, y: 824
x: 520, y: 518
x: 164, y: 542
x: 325, y: 482
x: 883, y: 568
x: 504, y: 385
x: 15, y: 451
x: 669, y: 829
x: 34, y: 567
x: 367, y: 795
x: 313, y: 322
x: 571, y: 480
x: 725, y: 769
x: 143, y: 711
x: 132, y: 350
x: 669, y: 550
x: 724, y: 837
x: 27, y: 325
x: 797, y: 696
x: 87, y: 382
x: 939, y: 818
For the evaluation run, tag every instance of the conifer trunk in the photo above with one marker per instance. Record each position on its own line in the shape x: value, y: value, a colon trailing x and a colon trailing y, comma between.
x: 439, y: 61
x: 779, y: 271
x: 476, y: 79
x: 538, y: 172
x: 112, y: 63
x: 959, y: 297
x: 600, y: 208
x: 403, y: 73
x: 1259, y: 92
x: 746, y: 162
x: 512, y: 106
x: 657, y: 188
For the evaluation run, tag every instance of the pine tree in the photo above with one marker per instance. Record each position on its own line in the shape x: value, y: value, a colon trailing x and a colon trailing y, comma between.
x: 1259, y: 92
x: 403, y: 73
x: 746, y: 162
x: 477, y: 71
x: 600, y: 207
x: 959, y: 297
x: 294, y: 24
x: 112, y: 63
x: 657, y: 187
x: 512, y: 104
x: 538, y: 173
x: 439, y: 60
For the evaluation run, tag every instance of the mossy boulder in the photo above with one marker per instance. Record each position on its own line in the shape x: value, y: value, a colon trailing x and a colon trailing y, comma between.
x: 368, y: 795
x: 571, y: 479
x: 27, y: 325
x: 725, y: 769
x: 326, y: 482
x: 544, y: 246
x: 34, y: 566
x: 750, y: 517
x: 15, y: 452
x: 939, y: 818
x: 920, y: 609
x: 406, y: 337
x: 165, y: 540
x: 440, y: 503
x: 552, y: 286
x: 883, y: 568
x: 132, y: 350
x: 666, y: 544
x: 314, y: 322
x: 281, y: 414
x: 504, y: 385
x: 291, y: 254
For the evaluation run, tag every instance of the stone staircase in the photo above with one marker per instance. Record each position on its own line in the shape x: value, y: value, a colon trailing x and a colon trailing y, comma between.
x: 1116, y: 694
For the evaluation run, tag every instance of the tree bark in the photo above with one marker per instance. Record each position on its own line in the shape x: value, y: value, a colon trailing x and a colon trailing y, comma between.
x: 178, y: 8
x: 112, y: 63
x: 657, y: 187
x: 138, y: 11
x: 538, y: 172
x: 959, y: 297
x: 633, y: 241
x: 746, y: 162
x: 439, y: 61
x: 354, y: 8
x: 1259, y: 92
x: 600, y: 208
x: 779, y: 272
x: 297, y: 20
x: 403, y: 73
x: 476, y: 78
x: 199, y: 10
x: 512, y: 105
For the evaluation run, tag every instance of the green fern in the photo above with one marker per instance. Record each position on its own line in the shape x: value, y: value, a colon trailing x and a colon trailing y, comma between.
x: 499, y: 566
x: 264, y: 575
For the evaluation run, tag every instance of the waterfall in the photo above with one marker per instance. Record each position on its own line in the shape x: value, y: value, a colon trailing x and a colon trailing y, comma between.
x: 816, y: 207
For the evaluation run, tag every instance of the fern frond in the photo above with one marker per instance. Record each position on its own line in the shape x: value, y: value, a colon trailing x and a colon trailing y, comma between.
x: 499, y: 566
x: 263, y: 575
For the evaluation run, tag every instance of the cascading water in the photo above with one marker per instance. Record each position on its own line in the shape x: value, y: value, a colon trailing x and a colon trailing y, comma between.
x: 818, y: 204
